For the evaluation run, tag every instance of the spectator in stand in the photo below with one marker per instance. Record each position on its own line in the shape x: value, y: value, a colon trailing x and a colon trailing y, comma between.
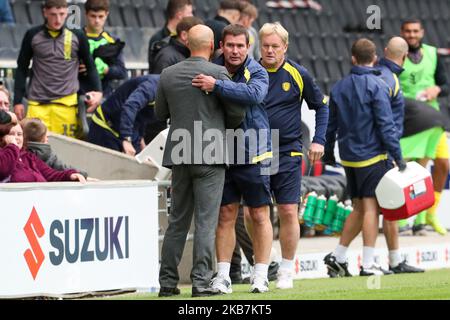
x: 294, y: 4
x: 176, y: 10
x: 248, y: 177
x: 19, y: 165
x: 289, y: 85
x: 7, y: 121
x: 361, y: 116
x: 107, y: 50
x: 390, y: 67
x: 56, y: 52
x: 35, y: 136
x: 176, y: 50
x: 119, y: 122
x: 425, y: 79
x: 4, y: 98
x: 249, y: 14
x: 229, y: 13
x: 6, y: 15
x: 197, y: 182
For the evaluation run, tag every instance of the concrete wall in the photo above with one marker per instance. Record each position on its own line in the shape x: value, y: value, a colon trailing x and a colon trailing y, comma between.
x: 106, y: 164
x: 99, y: 162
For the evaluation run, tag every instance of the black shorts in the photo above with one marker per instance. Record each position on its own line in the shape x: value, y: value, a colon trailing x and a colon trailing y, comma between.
x: 362, y: 182
x: 286, y: 184
x: 247, y: 182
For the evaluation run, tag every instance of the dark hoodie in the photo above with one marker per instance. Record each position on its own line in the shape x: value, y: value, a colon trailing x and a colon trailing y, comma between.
x: 44, y: 152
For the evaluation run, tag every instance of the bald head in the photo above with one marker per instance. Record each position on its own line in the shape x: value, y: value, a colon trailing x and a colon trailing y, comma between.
x: 200, y: 38
x: 396, y: 49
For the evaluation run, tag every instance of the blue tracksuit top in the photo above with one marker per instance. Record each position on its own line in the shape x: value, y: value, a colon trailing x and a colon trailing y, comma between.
x: 249, y: 87
x: 389, y: 73
x: 127, y: 109
x: 289, y: 85
x: 361, y: 115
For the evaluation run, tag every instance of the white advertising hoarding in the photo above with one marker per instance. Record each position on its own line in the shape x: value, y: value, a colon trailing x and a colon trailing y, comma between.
x: 67, y: 238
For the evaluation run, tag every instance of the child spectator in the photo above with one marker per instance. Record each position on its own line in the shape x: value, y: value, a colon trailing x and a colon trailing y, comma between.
x: 19, y: 165
x: 35, y: 136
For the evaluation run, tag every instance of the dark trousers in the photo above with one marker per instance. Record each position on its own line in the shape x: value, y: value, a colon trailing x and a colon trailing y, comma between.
x: 196, y: 192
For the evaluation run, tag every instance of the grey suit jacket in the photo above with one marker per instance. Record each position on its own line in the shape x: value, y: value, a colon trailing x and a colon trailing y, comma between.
x: 198, y: 119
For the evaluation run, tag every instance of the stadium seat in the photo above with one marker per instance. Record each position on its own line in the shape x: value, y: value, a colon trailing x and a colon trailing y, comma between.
x: 431, y: 35
x: 276, y: 15
x: 345, y: 65
x: 444, y: 9
x: 19, y: 33
x: 343, y: 49
x: 313, y: 23
x: 19, y: 8
x: 145, y: 18
x: 6, y: 35
x: 158, y: 16
x: 391, y: 8
x: 161, y: 3
x: 35, y: 12
x: 134, y: 39
x: 328, y: 24
x: 404, y: 10
x: 334, y: 70
x: 424, y: 9
x: 302, y: 25
x: 317, y: 46
x: 115, y: 18
x: 390, y: 27
x: 9, y: 53
x: 349, y: 16
x: 321, y: 70
x: 129, y: 15
x: 288, y: 21
x: 263, y: 17
x: 308, y: 64
x: 304, y: 46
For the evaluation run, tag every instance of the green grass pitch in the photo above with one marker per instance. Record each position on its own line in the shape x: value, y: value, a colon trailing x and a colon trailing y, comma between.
x: 434, y: 284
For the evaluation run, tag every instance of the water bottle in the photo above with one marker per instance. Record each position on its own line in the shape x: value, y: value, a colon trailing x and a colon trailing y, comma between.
x: 348, y: 210
x: 338, y: 222
x: 308, y: 215
x: 330, y: 213
x: 319, y: 213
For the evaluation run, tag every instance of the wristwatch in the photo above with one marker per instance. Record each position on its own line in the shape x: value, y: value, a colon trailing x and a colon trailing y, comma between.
x: 127, y: 139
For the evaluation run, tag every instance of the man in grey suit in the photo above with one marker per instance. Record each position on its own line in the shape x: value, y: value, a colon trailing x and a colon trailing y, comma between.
x: 195, y: 150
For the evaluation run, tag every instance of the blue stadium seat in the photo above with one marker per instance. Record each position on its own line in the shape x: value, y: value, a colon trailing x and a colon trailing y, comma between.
x: 115, y: 18
x: 308, y: 64
x: 304, y: 46
x: 144, y: 16
x: 6, y: 36
x: 317, y: 46
x: 288, y: 21
x: 159, y: 17
x: 129, y: 15
x: 334, y: 69
x: 9, y: 53
x: 19, y: 8
x: 35, y: 12
x: 320, y: 70
x: 19, y: 33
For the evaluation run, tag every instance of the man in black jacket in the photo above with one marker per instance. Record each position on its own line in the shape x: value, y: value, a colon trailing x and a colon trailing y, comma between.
x: 56, y: 53
x: 175, y: 11
x: 229, y: 13
x: 7, y: 121
x: 176, y: 50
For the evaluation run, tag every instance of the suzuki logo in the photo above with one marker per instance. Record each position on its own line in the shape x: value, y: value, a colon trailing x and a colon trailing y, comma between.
x: 34, y: 256
x: 297, y: 266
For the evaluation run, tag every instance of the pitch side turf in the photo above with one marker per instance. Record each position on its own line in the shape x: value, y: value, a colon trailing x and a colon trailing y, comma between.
x: 429, y: 285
